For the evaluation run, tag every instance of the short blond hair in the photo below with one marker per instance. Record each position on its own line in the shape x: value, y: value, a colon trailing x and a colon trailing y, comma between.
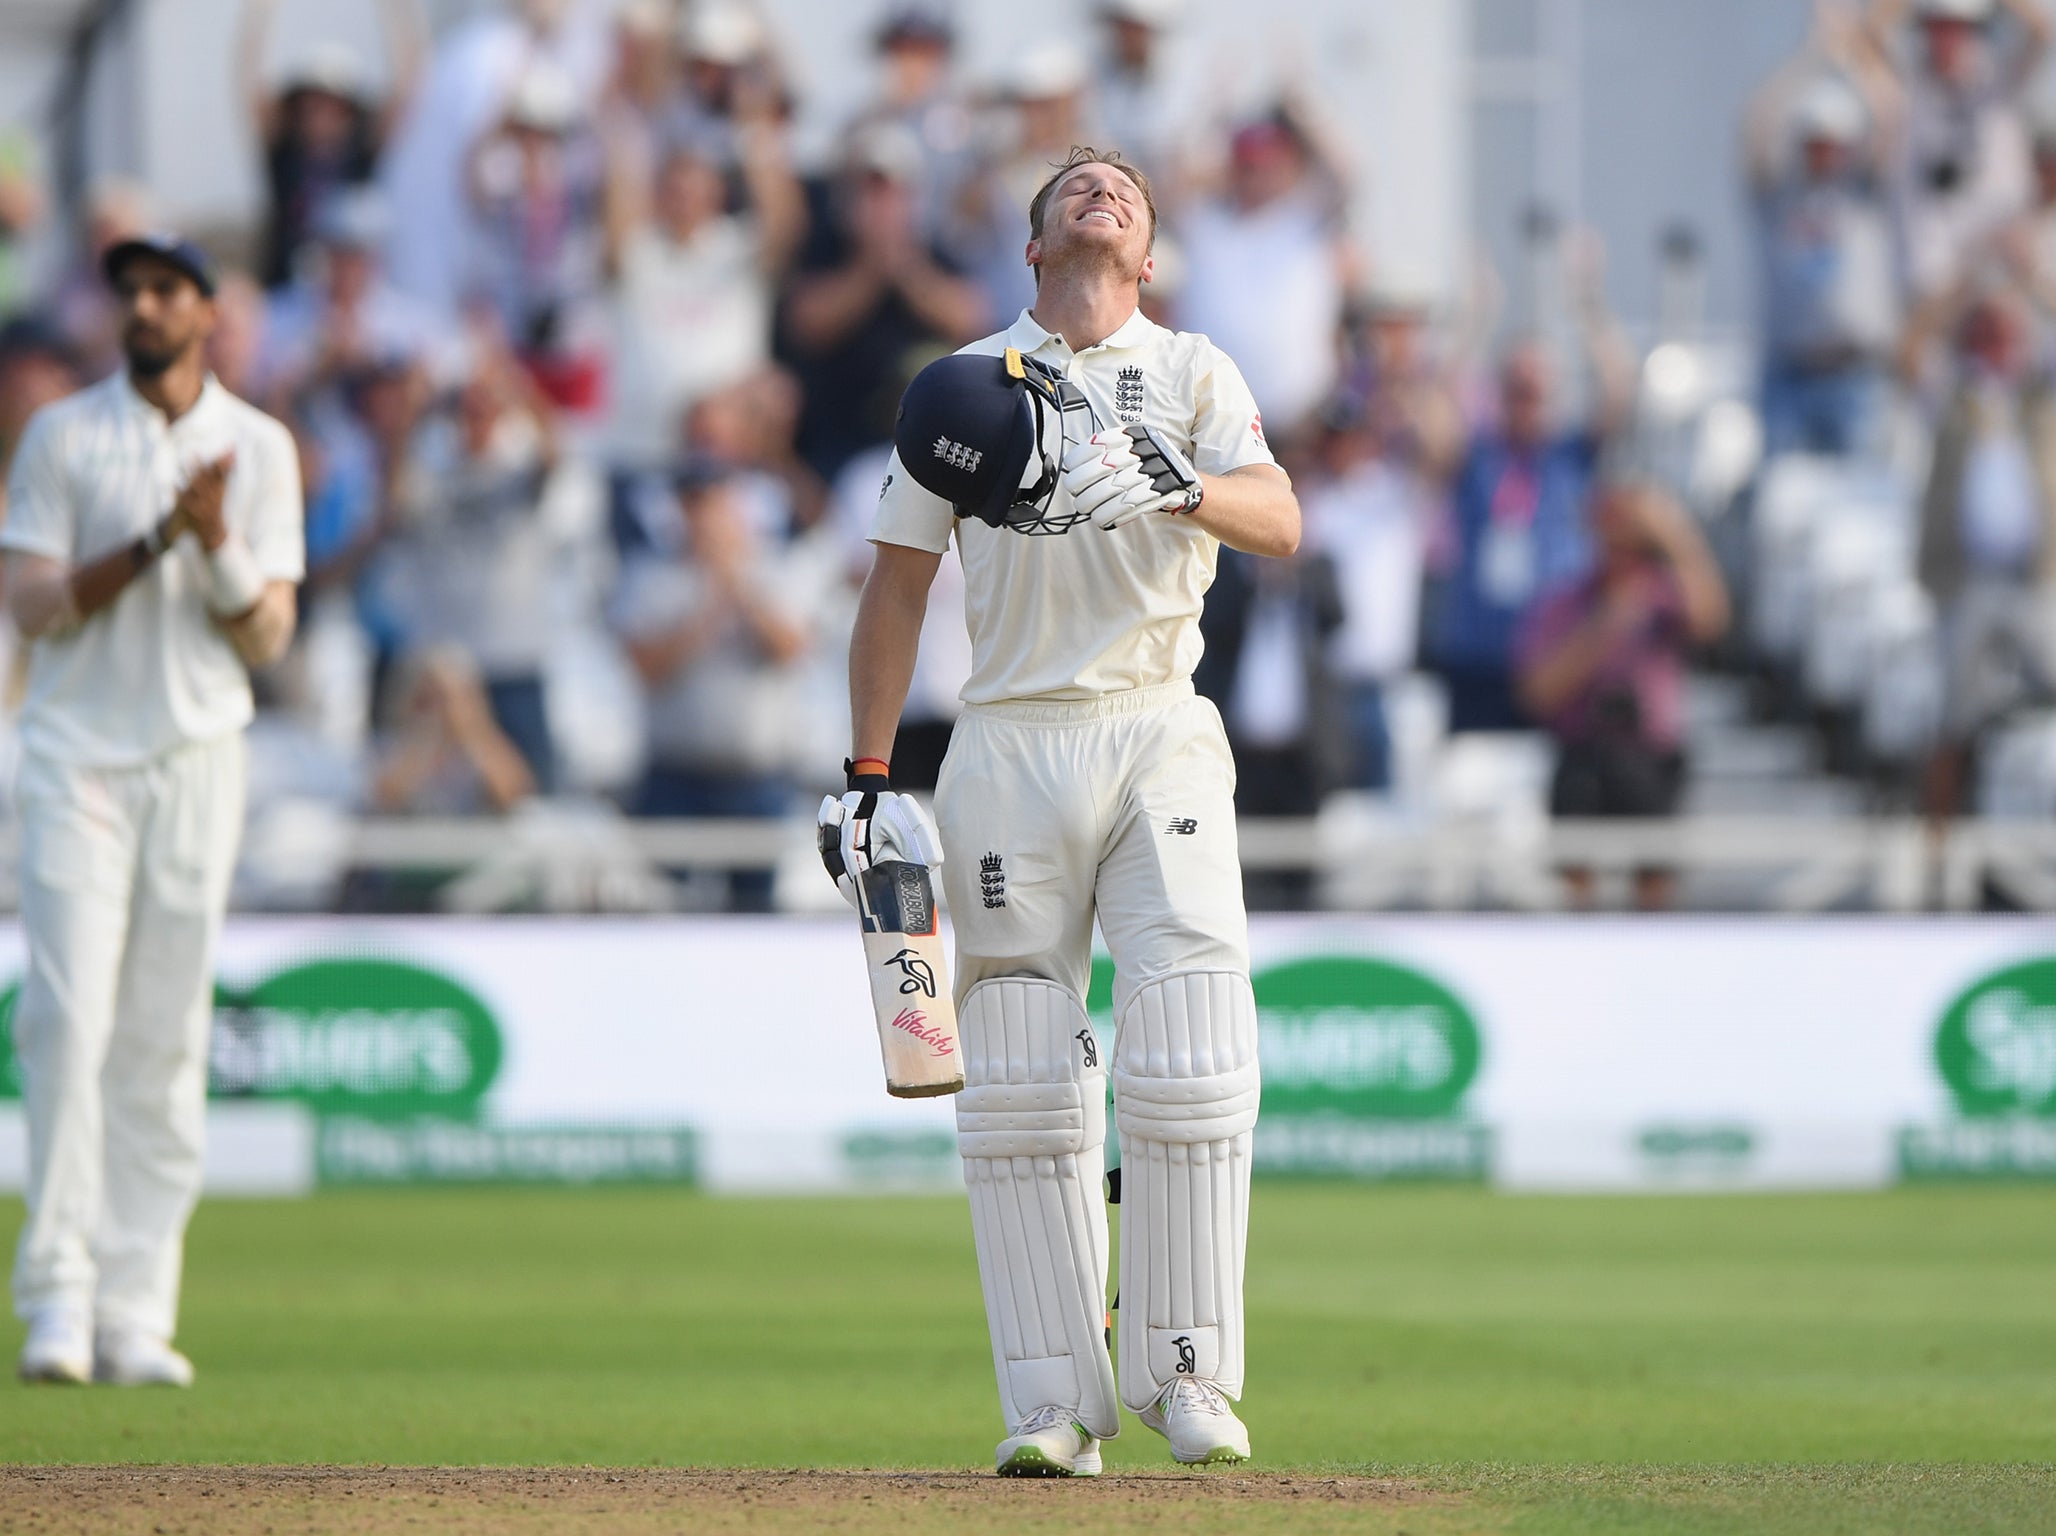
x: 1085, y: 154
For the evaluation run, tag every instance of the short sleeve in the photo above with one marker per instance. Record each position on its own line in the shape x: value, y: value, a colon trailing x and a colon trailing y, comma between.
x: 909, y: 514
x: 1227, y: 428
x: 278, y: 513
x: 39, y: 512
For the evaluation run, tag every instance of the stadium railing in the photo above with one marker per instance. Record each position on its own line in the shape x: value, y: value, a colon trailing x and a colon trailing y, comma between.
x: 586, y: 858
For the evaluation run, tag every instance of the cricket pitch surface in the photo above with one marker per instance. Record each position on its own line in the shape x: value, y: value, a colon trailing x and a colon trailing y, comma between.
x: 300, y: 1501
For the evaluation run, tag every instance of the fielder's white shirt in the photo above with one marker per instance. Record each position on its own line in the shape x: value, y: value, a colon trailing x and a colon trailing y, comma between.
x: 1093, y: 611
x: 152, y: 671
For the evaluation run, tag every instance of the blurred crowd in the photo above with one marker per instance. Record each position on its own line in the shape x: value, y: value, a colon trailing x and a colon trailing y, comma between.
x: 593, y: 384
x: 1902, y: 168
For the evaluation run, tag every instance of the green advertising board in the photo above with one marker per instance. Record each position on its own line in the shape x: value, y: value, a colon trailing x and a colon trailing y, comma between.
x: 1995, y: 1052
x: 374, y: 1038
x: 1366, y: 1067
x: 395, y: 1062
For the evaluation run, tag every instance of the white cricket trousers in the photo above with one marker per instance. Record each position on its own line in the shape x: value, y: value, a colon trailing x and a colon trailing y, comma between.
x: 1052, y: 813
x: 1121, y: 807
x: 125, y: 876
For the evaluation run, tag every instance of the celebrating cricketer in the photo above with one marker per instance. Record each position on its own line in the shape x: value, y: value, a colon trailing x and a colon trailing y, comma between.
x: 153, y: 542
x: 1089, y: 464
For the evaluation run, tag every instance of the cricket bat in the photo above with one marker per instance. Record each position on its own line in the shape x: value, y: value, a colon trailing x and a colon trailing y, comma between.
x: 917, y: 1018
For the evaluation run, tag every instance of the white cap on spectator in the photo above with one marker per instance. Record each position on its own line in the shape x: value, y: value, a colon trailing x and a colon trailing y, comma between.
x: 1399, y: 297
x: 330, y: 67
x: 890, y: 149
x: 544, y: 99
x: 1828, y: 109
x: 1973, y: 11
x: 721, y: 32
x: 1148, y: 13
x: 1047, y: 72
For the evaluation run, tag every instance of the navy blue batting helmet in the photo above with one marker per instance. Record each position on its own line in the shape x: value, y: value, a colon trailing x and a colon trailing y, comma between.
x: 987, y: 435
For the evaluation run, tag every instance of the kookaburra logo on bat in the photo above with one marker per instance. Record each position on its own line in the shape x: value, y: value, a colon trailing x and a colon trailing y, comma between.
x: 920, y: 974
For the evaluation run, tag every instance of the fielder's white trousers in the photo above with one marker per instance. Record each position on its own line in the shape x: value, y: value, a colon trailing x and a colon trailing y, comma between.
x: 125, y: 876
x: 1121, y: 806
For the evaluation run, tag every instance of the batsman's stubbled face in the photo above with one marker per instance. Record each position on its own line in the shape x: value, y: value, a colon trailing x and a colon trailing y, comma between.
x: 164, y: 314
x: 1096, y: 215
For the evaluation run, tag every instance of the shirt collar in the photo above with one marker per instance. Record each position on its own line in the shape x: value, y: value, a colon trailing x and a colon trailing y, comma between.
x: 1027, y: 337
x: 208, y: 402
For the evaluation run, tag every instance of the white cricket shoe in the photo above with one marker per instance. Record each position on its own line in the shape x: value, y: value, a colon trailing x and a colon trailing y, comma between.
x: 59, y: 1347
x: 1050, y: 1442
x: 126, y: 1358
x: 1195, y: 1416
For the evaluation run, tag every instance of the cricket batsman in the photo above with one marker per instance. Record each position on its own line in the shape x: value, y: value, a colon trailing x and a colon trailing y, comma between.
x: 1089, y: 465
x: 152, y: 545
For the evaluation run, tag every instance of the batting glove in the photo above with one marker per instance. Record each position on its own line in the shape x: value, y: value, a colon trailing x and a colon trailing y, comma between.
x: 1170, y: 473
x: 868, y: 824
x: 1105, y: 478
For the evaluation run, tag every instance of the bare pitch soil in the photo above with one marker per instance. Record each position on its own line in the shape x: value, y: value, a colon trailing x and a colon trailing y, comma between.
x: 372, y: 1501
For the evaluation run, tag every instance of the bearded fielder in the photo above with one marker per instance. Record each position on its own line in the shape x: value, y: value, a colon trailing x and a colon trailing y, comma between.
x: 153, y: 540
x: 1089, y: 465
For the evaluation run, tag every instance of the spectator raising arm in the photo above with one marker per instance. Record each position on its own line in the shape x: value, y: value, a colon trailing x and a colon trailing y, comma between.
x: 1767, y: 120
x: 775, y: 198
x: 2025, y: 60
x: 1607, y: 348
x: 407, y: 57
x: 406, y: 41
x: 624, y: 200
x: 265, y: 105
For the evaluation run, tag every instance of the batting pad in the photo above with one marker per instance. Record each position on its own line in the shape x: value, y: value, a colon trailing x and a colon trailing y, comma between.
x: 1185, y: 1096
x: 1031, y: 1125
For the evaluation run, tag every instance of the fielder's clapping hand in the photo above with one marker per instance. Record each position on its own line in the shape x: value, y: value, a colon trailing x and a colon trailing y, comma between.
x: 199, y: 507
x: 1117, y: 475
x: 870, y: 823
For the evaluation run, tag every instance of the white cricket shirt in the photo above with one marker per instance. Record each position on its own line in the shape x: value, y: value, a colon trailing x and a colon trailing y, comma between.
x: 152, y: 671
x: 1093, y: 611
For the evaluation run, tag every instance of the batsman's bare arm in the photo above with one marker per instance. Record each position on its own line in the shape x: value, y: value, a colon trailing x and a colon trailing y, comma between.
x: 1251, y: 509
x: 883, y: 643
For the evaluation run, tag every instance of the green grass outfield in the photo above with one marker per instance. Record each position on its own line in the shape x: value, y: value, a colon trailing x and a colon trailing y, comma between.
x: 1802, y: 1363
